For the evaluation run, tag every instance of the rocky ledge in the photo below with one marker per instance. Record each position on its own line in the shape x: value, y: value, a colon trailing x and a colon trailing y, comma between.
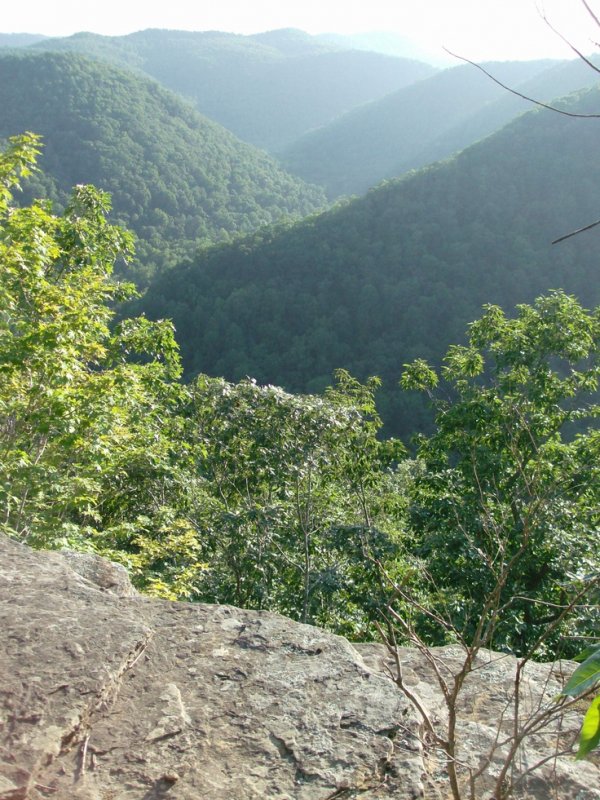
x: 109, y: 695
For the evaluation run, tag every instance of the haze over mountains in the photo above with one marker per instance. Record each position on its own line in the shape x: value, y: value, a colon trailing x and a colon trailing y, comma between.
x: 268, y: 88
x: 425, y: 122
x: 19, y: 39
x: 388, y: 43
x: 392, y: 275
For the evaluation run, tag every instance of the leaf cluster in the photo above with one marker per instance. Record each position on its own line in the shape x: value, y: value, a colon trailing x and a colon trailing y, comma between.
x: 508, y: 496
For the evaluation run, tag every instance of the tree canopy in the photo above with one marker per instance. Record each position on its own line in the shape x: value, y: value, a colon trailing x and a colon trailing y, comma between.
x: 208, y: 492
x: 88, y: 458
x: 507, y: 500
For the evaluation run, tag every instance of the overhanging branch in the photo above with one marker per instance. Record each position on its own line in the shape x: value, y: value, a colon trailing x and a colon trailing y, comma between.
x: 519, y: 94
x: 591, y: 13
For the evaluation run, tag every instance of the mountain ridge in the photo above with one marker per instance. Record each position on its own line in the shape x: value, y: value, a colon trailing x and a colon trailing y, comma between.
x: 256, y: 86
x: 425, y: 122
x: 399, y: 273
x: 177, y: 179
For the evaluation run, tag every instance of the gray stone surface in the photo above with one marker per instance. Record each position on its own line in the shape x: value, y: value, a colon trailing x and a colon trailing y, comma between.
x: 108, y: 695
x: 103, y: 574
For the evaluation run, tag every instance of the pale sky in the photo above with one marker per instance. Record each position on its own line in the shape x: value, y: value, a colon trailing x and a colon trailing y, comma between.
x: 477, y: 29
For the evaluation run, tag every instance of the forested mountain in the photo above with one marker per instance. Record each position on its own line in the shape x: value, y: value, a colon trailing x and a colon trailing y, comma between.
x: 268, y: 88
x: 176, y: 178
x: 399, y: 273
x: 425, y: 122
x: 20, y: 39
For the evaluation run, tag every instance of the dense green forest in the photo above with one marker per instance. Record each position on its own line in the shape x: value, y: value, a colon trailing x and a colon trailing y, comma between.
x: 267, y: 88
x: 425, y: 122
x: 178, y: 179
x: 245, y: 494
x: 399, y: 273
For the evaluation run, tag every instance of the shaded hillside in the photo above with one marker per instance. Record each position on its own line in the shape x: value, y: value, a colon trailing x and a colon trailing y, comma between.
x: 399, y: 273
x: 425, y: 122
x: 176, y: 178
x: 268, y: 89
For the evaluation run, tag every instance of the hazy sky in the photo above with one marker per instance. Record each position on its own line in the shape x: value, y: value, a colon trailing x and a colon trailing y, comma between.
x: 475, y: 28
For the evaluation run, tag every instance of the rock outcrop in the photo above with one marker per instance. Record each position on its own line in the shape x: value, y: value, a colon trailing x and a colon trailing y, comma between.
x: 109, y: 695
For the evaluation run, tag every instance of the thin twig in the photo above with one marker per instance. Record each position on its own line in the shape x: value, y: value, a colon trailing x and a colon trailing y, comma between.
x: 574, y: 233
x: 570, y: 44
x: 591, y: 13
x: 393, y: 649
x: 84, y: 750
x: 519, y: 94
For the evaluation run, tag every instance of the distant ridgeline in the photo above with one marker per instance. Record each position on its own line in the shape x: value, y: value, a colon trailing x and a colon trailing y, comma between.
x: 268, y: 88
x: 399, y: 273
x: 424, y: 122
x: 19, y: 39
x: 177, y: 179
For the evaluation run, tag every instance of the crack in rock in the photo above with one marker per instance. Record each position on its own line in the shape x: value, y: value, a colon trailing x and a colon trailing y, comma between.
x: 82, y: 725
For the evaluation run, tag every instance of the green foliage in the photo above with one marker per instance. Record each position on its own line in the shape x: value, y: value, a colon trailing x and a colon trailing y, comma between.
x: 590, y: 731
x: 250, y: 495
x: 586, y: 677
x: 216, y: 492
x: 418, y: 376
x: 87, y: 428
x: 178, y: 180
x: 300, y: 500
x: 17, y: 162
x: 506, y: 505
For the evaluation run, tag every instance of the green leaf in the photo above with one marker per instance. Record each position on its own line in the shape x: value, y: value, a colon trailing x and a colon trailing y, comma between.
x: 418, y: 375
x: 590, y: 731
x: 581, y: 657
x: 584, y: 677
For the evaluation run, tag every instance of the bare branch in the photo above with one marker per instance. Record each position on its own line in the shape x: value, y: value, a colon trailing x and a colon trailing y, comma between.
x: 574, y: 233
x: 569, y: 44
x: 390, y: 643
x: 519, y: 94
x: 590, y: 12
